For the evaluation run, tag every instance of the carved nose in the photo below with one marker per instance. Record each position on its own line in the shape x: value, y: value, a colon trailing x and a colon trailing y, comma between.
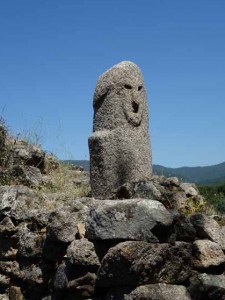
x: 135, y: 106
x: 135, y: 102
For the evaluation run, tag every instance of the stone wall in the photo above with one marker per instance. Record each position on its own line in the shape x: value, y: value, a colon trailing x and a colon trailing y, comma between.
x: 84, y: 248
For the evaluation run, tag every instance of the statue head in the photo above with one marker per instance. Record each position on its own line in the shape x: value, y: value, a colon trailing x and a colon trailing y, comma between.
x: 120, y: 98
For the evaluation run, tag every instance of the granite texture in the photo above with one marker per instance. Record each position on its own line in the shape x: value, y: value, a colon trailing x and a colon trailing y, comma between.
x: 120, y: 149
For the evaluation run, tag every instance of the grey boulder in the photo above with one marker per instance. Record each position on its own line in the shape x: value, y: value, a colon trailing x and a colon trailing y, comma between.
x: 7, y: 228
x: 184, y: 230
x: 60, y: 279
x: 207, y: 254
x: 29, y: 244
x: 159, y: 291
x: 189, y: 189
x: 21, y: 203
x: 207, y: 286
x: 82, y: 287
x: 82, y: 253
x: 26, y: 175
x: 29, y: 154
x: 62, y: 223
x: 61, y: 227
x: 142, y: 189
x: 206, y: 227
x: 127, y: 220
x: 137, y: 263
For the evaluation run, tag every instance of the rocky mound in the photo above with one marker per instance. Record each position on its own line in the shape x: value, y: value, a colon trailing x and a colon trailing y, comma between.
x: 148, y: 243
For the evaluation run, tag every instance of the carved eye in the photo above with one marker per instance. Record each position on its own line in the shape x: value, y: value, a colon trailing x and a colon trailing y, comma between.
x: 127, y: 86
x: 140, y: 87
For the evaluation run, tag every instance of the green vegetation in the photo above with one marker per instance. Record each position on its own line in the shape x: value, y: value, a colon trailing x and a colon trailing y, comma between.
x: 214, y: 195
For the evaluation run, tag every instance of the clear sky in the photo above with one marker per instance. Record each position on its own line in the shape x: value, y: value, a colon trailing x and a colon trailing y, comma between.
x: 52, y: 52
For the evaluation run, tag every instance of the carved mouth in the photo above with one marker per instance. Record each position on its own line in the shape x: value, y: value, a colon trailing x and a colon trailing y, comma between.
x: 135, y: 107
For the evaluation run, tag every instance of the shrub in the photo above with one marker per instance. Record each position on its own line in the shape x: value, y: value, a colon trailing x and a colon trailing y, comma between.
x: 215, y: 195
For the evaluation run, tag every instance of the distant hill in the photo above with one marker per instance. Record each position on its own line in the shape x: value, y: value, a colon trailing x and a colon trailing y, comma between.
x: 201, y: 175
x: 83, y: 163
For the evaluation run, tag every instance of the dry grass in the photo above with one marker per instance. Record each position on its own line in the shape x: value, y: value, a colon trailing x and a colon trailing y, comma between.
x: 57, y: 178
x: 66, y: 179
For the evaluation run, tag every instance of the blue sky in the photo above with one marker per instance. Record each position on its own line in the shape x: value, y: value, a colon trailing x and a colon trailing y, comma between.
x: 52, y: 52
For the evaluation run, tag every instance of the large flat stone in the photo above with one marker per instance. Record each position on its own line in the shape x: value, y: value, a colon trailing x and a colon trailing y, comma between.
x: 132, y: 219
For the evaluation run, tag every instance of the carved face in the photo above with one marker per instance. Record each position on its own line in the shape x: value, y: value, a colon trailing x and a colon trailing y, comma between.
x: 132, y: 97
x: 120, y: 97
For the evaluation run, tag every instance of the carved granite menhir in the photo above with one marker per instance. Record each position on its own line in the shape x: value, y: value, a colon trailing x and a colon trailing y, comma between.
x: 120, y: 149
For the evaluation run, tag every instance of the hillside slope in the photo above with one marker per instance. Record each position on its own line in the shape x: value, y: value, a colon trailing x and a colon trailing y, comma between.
x: 201, y: 175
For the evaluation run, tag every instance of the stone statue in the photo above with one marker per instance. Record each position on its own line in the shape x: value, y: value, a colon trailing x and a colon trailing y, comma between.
x: 120, y: 150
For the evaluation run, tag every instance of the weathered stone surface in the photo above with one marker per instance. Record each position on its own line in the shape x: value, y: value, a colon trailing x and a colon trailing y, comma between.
x: 166, y: 190
x: 184, y: 230
x: 159, y: 291
x: 29, y: 273
x: 207, y: 286
x: 21, y: 203
x: 119, y: 147
x: 83, y: 287
x: 143, y: 189
x: 82, y: 253
x: 29, y: 245
x: 67, y: 287
x: 207, y: 254
x: 174, y: 181
x: 8, y: 239
x: 206, y: 227
x: 10, y: 268
x: 189, y: 189
x: 60, y: 280
x: 32, y: 274
x: 127, y: 220
x: 62, y: 223
x: 9, y: 194
x: 222, y: 237
x: 33, y: 176
x: 61, y: 227
x: 178, y: 200
x: 138, y: 263
x: 4, y: 282
x: 26, y: 175
x: 30, y: 155
x: 7, y: 228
